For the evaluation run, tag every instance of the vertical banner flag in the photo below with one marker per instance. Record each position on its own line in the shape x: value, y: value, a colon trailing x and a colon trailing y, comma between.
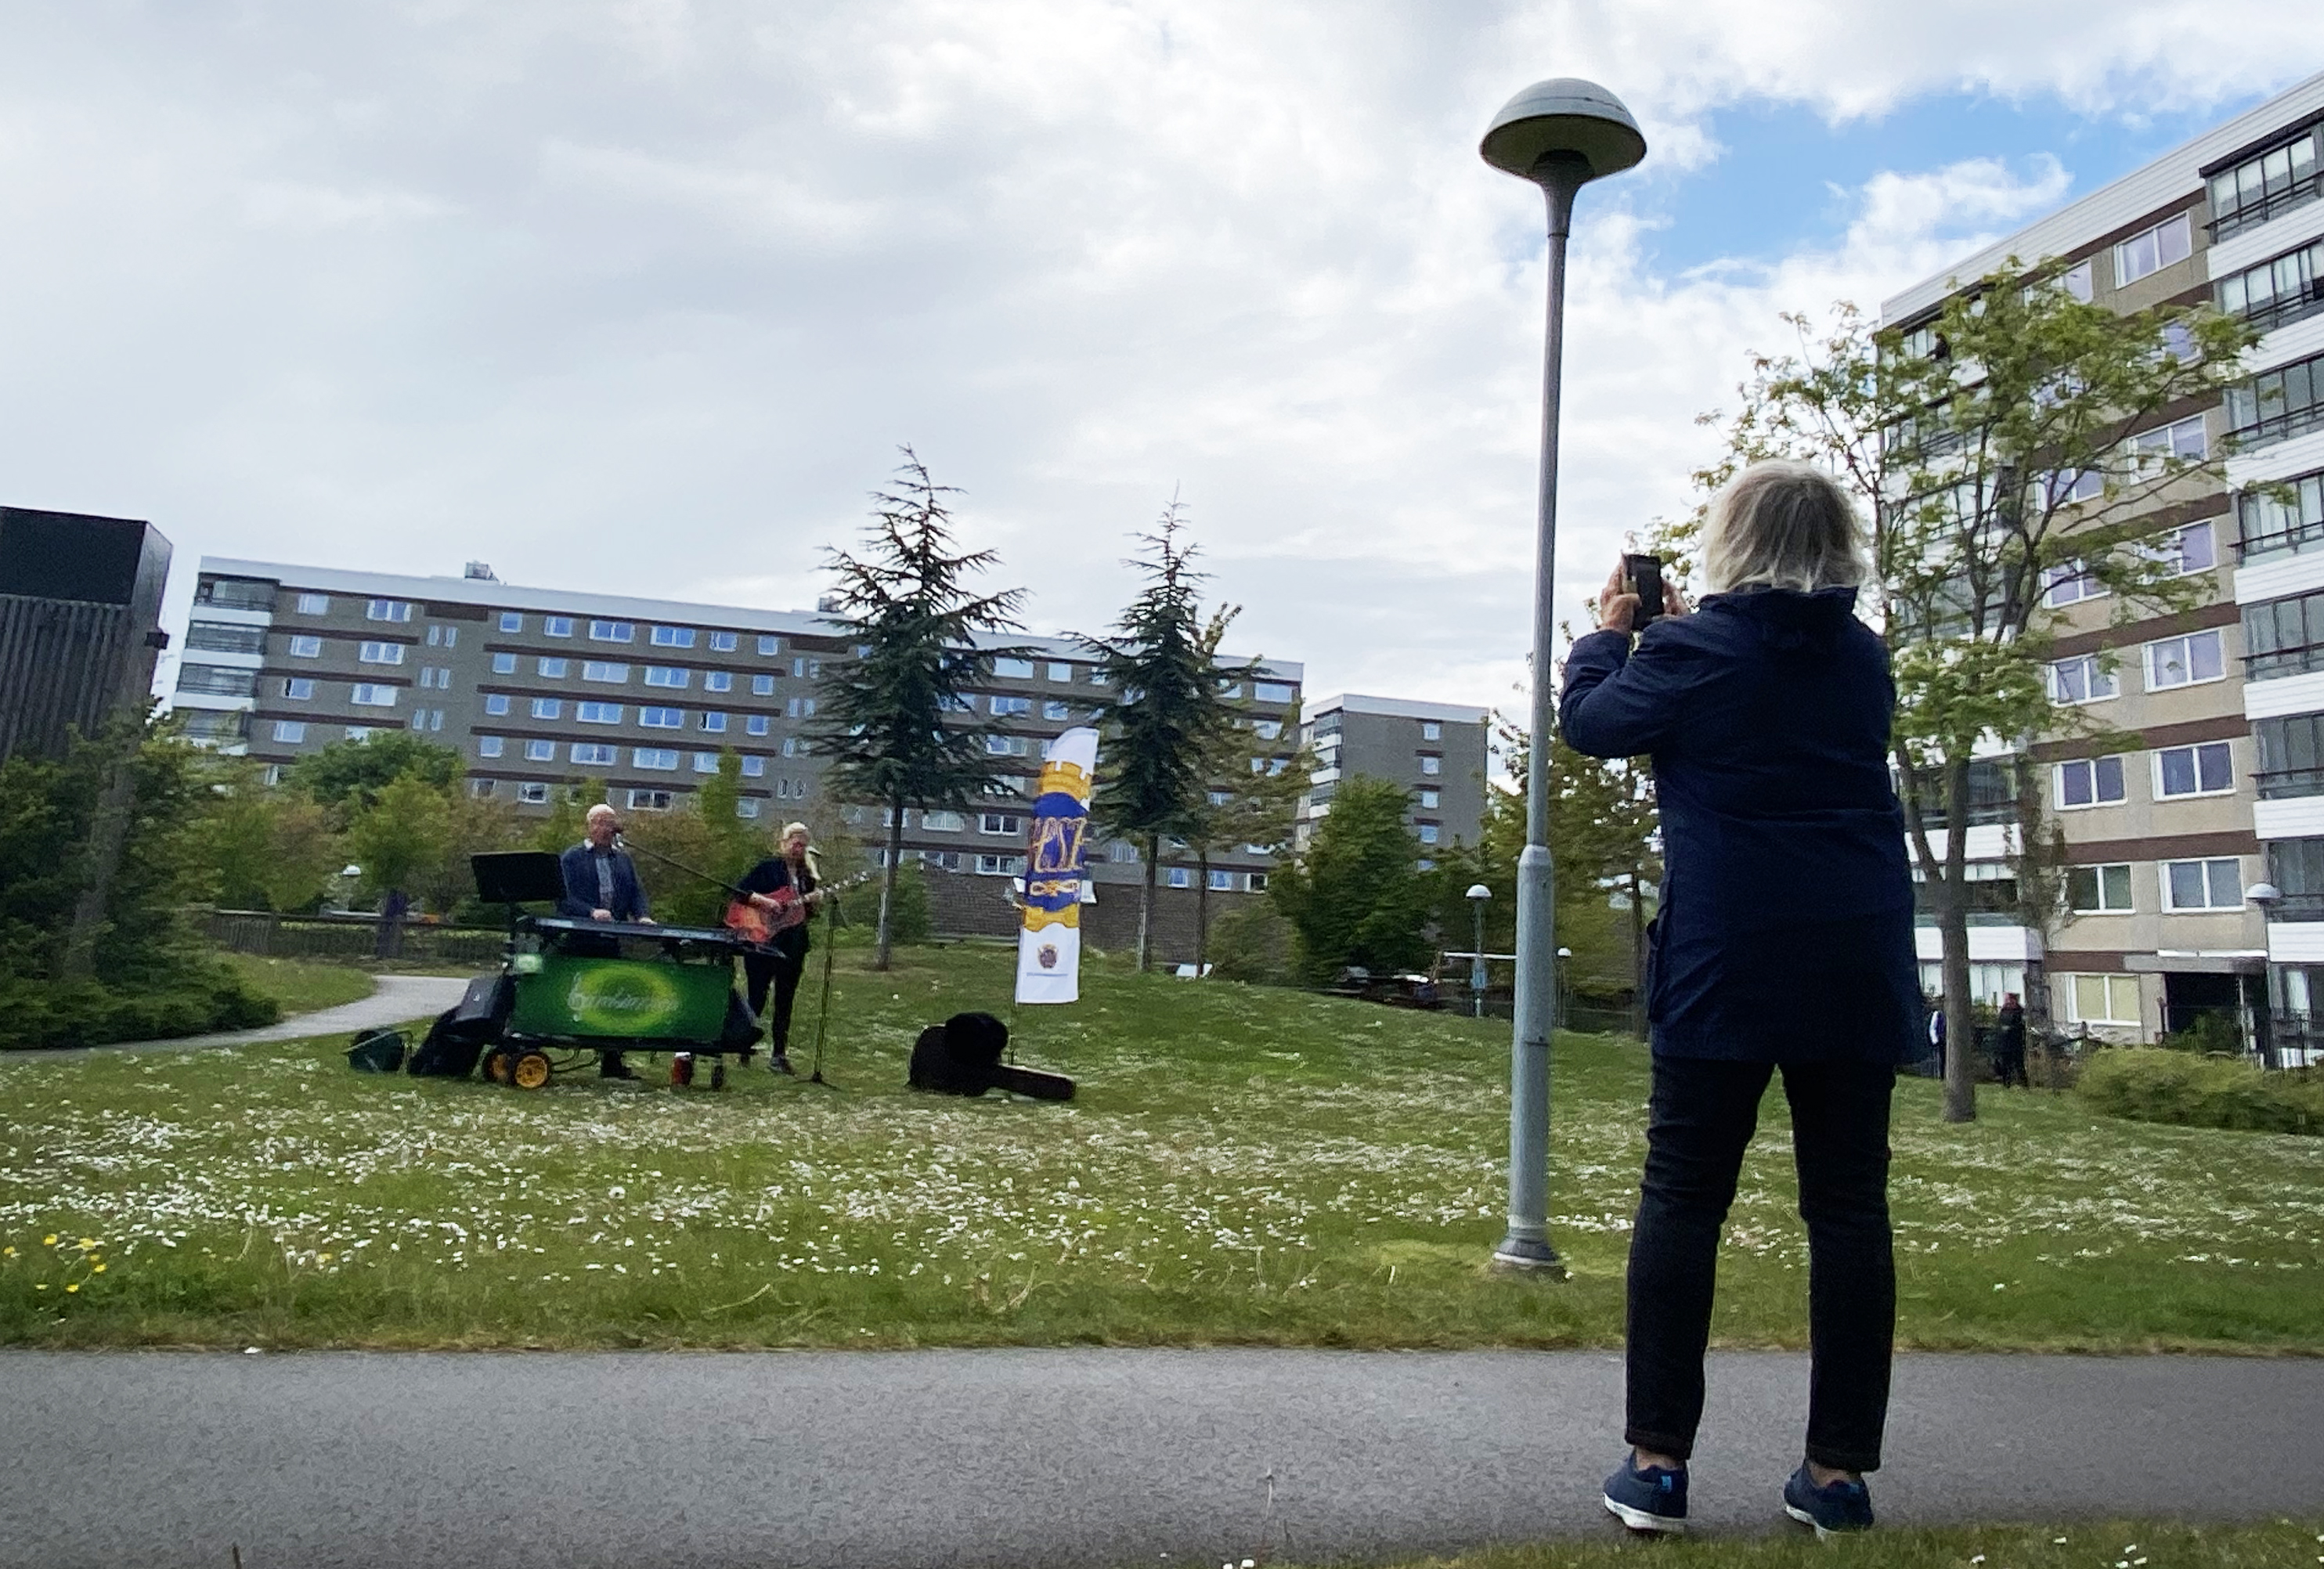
x: 1049, y: 947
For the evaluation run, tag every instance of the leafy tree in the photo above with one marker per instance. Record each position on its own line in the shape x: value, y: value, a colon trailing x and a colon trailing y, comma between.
x: 270, y: 848
x: 1994, y: 451
x: 1165, y: 728
x: 355, y: 772
x: 1354, y: 896
x: 896, y: 721
x: 568, y: 819
x: 401, y: 838
x: 1252, y: 798
x: 707, y: 835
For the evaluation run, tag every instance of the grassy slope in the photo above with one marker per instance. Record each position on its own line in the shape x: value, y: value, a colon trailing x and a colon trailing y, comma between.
x: 1243, y: 1166
x: 299, y: 985
x: 2275, y: 1545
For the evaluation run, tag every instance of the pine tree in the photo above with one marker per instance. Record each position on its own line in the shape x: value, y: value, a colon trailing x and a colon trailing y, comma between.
x: 896, y: 720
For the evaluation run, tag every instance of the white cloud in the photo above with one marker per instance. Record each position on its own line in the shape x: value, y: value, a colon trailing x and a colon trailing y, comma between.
x: 644, y: 295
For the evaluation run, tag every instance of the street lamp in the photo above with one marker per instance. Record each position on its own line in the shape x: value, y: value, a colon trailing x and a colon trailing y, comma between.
x: 1561, y: 134
x: 2266, y: 896
x: 1477, y: 894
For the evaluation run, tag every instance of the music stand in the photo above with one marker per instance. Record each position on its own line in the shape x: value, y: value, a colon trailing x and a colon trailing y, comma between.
x: 512, y: 877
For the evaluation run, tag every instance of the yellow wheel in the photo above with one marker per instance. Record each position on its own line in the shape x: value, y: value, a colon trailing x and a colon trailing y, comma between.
x: 496, y: 1067
x: 529, y: 1071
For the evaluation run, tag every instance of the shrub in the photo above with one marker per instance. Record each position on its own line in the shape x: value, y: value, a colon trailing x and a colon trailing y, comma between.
x: 910, y: 919
x: 1252, y: 942
x: 188, y: 999
x: 2150, y: 1085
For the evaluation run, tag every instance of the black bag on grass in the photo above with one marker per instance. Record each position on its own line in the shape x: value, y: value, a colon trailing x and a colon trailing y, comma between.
x: 377, y: 1051
x: 459, y: 1035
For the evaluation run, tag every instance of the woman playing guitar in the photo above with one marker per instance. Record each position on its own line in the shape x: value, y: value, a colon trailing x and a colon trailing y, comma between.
x: 780, y: 892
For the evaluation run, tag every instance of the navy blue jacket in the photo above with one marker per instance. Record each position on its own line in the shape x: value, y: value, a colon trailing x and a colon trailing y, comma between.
x: 580, y: 900
x: 1786, y: 932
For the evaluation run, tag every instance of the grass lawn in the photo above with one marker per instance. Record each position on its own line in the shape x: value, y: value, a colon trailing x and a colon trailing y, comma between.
x: 1243, y: 1165
x: 302, y: 986
x: 2272, y: 1545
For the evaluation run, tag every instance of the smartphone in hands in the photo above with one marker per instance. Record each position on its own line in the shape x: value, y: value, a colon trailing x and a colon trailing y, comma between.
x: 1643, y: 576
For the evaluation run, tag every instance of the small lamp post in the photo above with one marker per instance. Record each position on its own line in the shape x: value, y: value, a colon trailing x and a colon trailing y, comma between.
x: 1560, y: 135
x: 2266, y: 896
x: 1477, y: 896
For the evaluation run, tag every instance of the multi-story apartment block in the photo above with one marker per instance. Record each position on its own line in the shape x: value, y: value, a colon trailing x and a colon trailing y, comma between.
x: 1438, y: 752
x: 540, y: 689
x: 2176, y: 849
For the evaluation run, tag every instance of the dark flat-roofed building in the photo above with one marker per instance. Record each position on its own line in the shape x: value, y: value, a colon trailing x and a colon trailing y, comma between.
x: 80, y: 606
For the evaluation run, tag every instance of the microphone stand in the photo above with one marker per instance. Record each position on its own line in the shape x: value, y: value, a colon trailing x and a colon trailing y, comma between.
x: 823, y: 1013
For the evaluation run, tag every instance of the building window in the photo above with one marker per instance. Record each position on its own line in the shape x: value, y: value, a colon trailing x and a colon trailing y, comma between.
x: 717, y: 681
x: 1051, y: 708
x: 667, y: 676
x: 2275, y: 292
x: 1061, y: 670
x: 2203, y: 769
x: 800, y: 708
x: 2263, y: 185
x: 314, y: 605
x: 649, y: 801
x: 612, y: 631
x: 2102, y: 999
x: 1431, y: 764
x: 2151, y: 250
x: 359, y: 733
x: 219, y: 637
x: 2082, y: 679
x: 436, y: 678
x: 2180, y: 438
x: 305, y: 648
x: 298, y: 689
x: 2067, y: 583
x: 748, y: 807
x: 503, y: 664
x: 380, y: 653
x: 1222, y: 881
x: 715, y: 724
x: 762, y: 686
x: 1000, y: 823
x: 755, y: 724
x: 2099, y: 890
x: 2203, y: 884
x: 662, y: 718
x: 366, y: 694
x: 497, y: 703
x: 2291, y: 756
x: 2283, y: 637
x: 1430, y: 730
x: 1255, y: 881
x: 440, y: 636
x: 610, y: 672
x: 1008, y: 746
x: 512, y: 621
x: 706, y: 762
x: 2277, y: 403
x: 290, y: 732
x: 2076, y: 280
x: 1017, y: 670
x: 532, y: 792
x: 1180, y: 877
x: 1230, y: 689
x: 2269, y: 526
x: 490, y: 746
x: 388, y: 610
x: 2184, y: 661
x: 541, y: 752
x: 1098, y: 678
x: 723, y: 642
x: 661, y: 758
x: 943, y: 822
x: 557, y: 626
x: 598, y: 713
x: 1271, y: 691
x: 597, y: 753
x: 2192, y: 548
x: 1120, y: 851
x: 673, y: 637
x: 768, y: 646
x: 2090, y: 781
x: 754, y: 767
x: 999, y: 866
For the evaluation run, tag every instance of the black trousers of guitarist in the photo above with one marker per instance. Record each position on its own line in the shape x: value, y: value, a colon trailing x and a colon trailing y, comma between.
x: 778, y: 966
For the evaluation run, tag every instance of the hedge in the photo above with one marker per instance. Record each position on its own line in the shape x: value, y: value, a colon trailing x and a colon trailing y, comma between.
x: 44, y: 1013
x: 2150, y: 1085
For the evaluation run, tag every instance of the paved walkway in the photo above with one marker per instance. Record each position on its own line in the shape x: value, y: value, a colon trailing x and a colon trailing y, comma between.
x: 399, y: 999
x: 1081, y: 1458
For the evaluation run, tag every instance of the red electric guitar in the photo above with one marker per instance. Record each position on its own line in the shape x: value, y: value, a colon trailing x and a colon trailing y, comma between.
x: 746, y: 920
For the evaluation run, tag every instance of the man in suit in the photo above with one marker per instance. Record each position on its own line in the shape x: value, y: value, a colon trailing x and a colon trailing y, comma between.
x: 601, y: 883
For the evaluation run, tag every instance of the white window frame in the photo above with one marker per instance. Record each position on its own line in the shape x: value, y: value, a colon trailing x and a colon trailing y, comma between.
x: 298, y: 688
x: 672, y: 637
x: 2195, y: 750
x: 512, y: 621
x: 762, y: 686
x: 753, y: 766
x: 724, y: 642
x: 553, y: 667
x: 290, y: 732
x: 714, y: 722
x: 305, y: 648
x: 1008, y: 824
x: 398, y: 610
x: 1430, y: 730
x: 539, y: 751
x: 496, y: 704
x: 2100, y: 870
x: 503, y: 664
x: 1431, y: 765
x: 2114, y: 986
x: 2179, y: 229
x: 2069, y: 583
x: 491, y: 745
x: 532, y: 792
x: 675, y: 676
x: 595, y: 753
x: 654, y: 758
x: 1271, y: 691
x: 557, y: 626
x: 598, y: 713
x: 2091, y: 768
x: 605, y: 673
x: 659, y: 718
x: 2157, y: 653
x: 2092, y: 670
x: 2208, y: 873
x: 314, y: 605
x: 1061, y: 670
x: 717, y: 681
x: 379, y: 653
x: 612, y: 631
x: 372, y: 695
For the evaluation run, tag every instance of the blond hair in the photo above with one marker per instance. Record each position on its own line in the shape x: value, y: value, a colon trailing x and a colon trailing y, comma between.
x: 1783, y: 524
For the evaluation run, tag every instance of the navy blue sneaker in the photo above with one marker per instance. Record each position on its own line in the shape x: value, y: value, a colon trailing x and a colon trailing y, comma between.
x: 1837, y: 1506
x: 1653, y: 1499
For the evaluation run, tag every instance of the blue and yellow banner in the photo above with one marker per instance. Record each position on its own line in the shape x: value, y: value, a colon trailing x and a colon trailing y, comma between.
x: 1050, y: 947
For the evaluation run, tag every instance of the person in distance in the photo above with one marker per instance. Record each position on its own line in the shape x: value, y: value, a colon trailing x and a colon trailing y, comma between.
x: 1783, y: 943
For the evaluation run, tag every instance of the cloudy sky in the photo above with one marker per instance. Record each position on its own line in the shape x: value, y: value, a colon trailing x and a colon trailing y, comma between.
x: 642, y: 296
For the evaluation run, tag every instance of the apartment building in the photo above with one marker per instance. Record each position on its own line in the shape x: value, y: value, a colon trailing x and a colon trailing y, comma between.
x: 1438, y: 752
x: 540, y: 689
x: 2195, y: 862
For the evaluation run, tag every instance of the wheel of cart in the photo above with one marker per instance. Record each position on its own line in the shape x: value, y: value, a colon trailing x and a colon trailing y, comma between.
x: 528, y: 1070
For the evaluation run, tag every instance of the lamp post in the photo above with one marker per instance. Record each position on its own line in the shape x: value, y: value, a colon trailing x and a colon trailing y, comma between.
x: 1477, y: 894
x: 2266, y: 896
x: 1561, y: 134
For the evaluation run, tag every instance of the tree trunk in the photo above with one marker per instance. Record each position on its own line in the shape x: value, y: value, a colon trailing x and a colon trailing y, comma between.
x: 107, y: 834
x: 888, y: 884
x: 2033, y: 912
x: 1146, y: 904
x: 1202, y: 907
x: 1948, y: 894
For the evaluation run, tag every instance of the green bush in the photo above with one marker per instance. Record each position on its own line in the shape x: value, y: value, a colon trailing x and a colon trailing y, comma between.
x: 1252, y: 942
x: 188, y: 999
x: 2150, y: 1085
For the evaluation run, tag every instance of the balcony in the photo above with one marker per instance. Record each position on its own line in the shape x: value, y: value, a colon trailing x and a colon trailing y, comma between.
x: 2258, y: 209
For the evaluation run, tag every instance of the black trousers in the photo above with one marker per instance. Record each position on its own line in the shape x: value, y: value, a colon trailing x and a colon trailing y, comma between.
x: 781, y: 973
x: 1702, y: 1117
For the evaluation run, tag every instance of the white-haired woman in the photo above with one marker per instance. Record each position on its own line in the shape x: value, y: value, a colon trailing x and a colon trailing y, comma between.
x: 1784, y: 942
x: 782, y: 885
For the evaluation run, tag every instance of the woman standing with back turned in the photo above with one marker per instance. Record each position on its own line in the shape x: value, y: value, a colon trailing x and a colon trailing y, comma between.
x: 1784, y: 942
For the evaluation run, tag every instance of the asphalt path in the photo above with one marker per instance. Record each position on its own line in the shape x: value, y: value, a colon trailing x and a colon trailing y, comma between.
x: 1080, y: 1457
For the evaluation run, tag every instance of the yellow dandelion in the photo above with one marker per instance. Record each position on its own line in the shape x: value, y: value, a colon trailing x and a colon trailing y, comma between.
x: 44, y: 1286
x: 50, y: 1240
x: 8, y: 1252
x: 96, y: 1269
x: 86, y: 1243
x: 74, y: 1287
